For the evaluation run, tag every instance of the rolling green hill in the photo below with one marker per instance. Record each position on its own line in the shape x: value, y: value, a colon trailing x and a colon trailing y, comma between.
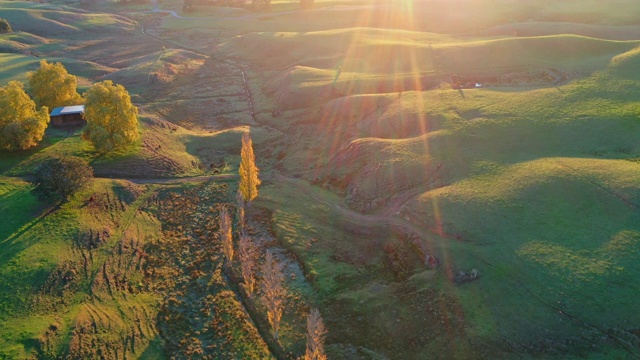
x: 496, y: 221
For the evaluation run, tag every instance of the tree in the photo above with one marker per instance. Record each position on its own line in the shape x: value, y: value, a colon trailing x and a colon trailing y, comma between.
x: 240, y: 213
x: 5, y: 28
x: 52, y: 86
x: 273, y: 292
x: 315, y: 337
x: 249, y: 180
x: 112, y: 121
x: 58, y: 178
x: 225, y: 234
x: 247, y: 255
x: 21, y: 126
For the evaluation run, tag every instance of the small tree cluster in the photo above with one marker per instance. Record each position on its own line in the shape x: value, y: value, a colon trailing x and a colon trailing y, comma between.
x: 112, y: 121
x: 21, y: 126
x: 273, y: 292
x: 58, y: 178
x: 5, y: 27
x: 52, y: 86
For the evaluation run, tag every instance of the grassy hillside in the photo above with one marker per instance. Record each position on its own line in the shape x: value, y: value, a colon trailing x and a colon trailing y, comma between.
x: 553, y: 237
x: 532, y: 185
x: 381, y: 182
x: 160, y: 153
x: 49, y: 20
x: 49, y: 264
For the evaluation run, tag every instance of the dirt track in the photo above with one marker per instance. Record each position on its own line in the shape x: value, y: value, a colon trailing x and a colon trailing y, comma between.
x: 178, y: 180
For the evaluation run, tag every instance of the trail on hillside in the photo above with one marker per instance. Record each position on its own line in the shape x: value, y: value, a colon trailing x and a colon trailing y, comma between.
x: 386, y: 216
x: 179, y: 180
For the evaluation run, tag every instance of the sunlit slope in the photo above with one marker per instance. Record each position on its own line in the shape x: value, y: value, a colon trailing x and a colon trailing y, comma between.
x: 539, y: 190
x: 160, y: 153
x: 57, y: 20
x: 15, y: 66
x: 314, y: 67
x: 391, y: 51
x: 465, y: 17
x: 89, y: 45
x: 355, y: 49
x: 158, y: 68
x: 537, y: 28
x: 57, y: 33
x: 556, y: 241
x: 56, y: 284
x: 458, y: 136
x: 19, y: 41
x: 567, y: 52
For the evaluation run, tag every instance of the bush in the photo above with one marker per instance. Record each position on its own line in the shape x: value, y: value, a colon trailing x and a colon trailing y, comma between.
x: 58, y: 178
x: 4, y: 26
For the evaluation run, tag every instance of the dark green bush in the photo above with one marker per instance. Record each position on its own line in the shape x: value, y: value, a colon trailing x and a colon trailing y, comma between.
x: 4, y: 26
x: 58, y: 178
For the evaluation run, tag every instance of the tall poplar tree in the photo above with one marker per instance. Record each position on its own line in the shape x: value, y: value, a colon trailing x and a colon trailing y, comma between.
x: 225, y: 235
x: 316, y: 333
x: 240, y: 213
x: 247, y: 254
x: 249, y: 180
x: 273, y: 293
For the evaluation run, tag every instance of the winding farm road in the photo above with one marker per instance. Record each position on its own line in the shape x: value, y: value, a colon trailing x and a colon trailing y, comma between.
x: 178, y: 180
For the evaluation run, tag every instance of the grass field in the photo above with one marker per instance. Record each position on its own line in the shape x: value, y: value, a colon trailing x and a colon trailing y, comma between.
x: 47, y: 246
x: 381, y: 182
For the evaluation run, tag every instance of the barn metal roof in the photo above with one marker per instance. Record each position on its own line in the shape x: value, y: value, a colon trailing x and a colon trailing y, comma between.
x: 66, y: 110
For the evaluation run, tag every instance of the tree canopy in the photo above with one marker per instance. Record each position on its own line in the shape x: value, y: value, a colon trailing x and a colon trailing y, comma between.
x: 4, y: 26
x: 58, y: 178
x: 112, y: 121
x: 249, y: 180
x: 21, y: 126
x: 52, y: 86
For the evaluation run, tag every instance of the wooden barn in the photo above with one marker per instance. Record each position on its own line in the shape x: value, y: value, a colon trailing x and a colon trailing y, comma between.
x: 68, y: 116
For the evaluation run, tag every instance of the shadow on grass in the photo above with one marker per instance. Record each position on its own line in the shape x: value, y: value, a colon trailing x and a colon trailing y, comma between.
x: 154, y: 350
x: 10, y: 159
x: 11, y: 245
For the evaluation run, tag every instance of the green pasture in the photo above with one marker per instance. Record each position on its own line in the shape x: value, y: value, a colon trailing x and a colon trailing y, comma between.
x: 536, y: 185
x: 36, y: 238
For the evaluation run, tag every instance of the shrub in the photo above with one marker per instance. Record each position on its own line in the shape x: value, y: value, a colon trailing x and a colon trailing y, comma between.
x: 58, y: 178
x: 4, y: 26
